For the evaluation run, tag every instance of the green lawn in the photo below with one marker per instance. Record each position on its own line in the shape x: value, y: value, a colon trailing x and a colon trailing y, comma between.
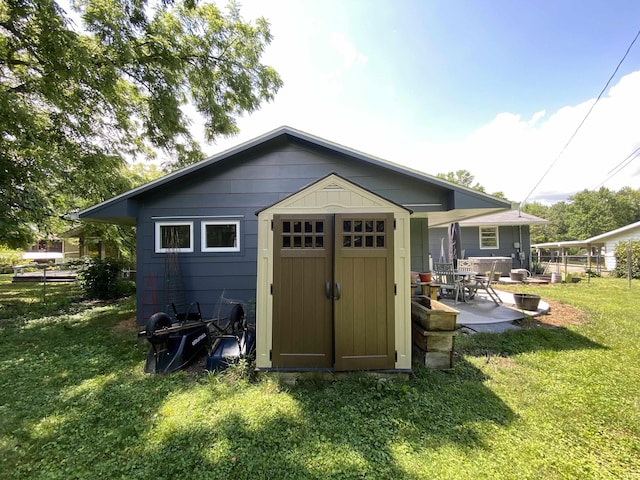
x: 535, y: 403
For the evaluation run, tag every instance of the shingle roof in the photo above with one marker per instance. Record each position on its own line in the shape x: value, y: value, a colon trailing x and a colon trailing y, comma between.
x: 507, y: 217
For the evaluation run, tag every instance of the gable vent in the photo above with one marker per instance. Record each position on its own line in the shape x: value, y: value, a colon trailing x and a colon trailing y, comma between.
x: 333, y: 187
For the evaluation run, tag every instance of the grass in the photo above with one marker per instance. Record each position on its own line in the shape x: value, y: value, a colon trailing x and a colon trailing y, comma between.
x: 535, y: 403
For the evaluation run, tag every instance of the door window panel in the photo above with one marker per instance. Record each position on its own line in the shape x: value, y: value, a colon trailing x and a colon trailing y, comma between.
x: 306, y: 234
x: 359, y: 233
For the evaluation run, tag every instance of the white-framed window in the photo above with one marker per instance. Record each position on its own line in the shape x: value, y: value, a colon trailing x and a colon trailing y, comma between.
x: 489, y: 239
x: 220, y: 236
x: 174, y: 237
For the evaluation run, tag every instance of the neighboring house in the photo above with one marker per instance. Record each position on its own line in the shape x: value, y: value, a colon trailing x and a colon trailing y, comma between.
x: 46, y: 251
x: 72, y: 244
x: 321, y: 237
x: 603, y: 245
x: 82, y: 242
x: 503, y: 235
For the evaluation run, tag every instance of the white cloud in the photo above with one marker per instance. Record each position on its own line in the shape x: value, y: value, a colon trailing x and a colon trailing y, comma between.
x: 511, y: 154
x: 327, y: 96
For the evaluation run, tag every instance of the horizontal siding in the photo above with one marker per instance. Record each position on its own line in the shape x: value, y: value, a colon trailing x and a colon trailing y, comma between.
x: 242, y: 187
x: 470, y: 243
x: 612, y: 243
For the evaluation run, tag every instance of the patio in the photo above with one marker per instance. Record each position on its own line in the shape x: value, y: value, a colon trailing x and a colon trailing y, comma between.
x: 482, y: 315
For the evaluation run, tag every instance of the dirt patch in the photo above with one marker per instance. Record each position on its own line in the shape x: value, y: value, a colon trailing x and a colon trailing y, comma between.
x: 126, y: 326
x: 560, y: 315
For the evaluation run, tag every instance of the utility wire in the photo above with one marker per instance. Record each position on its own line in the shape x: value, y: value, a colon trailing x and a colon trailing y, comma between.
x: 620, y: 166
x: 583, y: 120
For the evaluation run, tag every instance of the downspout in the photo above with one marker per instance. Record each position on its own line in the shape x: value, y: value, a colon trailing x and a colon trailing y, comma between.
x: 522, y: 250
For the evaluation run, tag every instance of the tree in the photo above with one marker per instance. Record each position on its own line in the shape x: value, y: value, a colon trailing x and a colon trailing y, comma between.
x: 77, y: 99
x: 461, y: 177
x: 592, y: 213
x: 465, y: 178
x: 539, y: 233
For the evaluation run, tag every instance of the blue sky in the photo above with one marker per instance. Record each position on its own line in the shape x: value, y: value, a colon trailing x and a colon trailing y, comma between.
x: 495, y: 87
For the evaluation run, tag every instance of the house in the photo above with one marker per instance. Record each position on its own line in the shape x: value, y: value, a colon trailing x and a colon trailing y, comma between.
x: 320, y: 237
x: 503, y: 236
x: 603, y: 245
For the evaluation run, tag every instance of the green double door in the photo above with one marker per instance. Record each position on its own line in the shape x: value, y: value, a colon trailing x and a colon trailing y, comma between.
x: 333, y: 292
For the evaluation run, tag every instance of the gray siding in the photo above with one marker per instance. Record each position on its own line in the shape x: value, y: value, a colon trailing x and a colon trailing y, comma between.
x: 470, y: 240
x: 240, y: 188
x: 419, y: 245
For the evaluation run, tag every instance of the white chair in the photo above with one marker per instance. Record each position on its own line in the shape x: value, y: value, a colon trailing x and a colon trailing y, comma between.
x: 469, y: 282
x: 484, y: 283
x: 447, y: 280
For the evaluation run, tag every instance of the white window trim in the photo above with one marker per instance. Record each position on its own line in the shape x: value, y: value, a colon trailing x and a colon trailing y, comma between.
x: 497, y: 230
x: 159, y: 248
x: 203, y: 236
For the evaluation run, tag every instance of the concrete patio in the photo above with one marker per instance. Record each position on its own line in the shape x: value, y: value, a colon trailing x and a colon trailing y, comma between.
x: 483, y: 315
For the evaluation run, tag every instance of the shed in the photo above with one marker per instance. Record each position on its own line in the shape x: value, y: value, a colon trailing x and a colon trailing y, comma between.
x: 326, y: 260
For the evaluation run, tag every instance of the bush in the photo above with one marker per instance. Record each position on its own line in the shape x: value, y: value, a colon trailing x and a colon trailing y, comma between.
x: 102, y: 279
x: 8, y: 259
x: 621, y: 260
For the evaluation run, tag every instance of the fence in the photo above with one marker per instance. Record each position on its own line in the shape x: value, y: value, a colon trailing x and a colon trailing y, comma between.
x: 569, y: 263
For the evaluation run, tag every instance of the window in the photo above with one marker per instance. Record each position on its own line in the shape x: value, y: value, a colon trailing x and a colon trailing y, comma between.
x: 174, y: 237
x: 303, y: 234
x: 489, y: 238
x: 221, y: 236
x: 363, y: 233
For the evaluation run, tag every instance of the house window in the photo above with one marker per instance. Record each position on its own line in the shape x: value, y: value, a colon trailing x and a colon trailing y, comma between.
x: 174, y: 237
x: 221, y: 236
x: 489, y: 238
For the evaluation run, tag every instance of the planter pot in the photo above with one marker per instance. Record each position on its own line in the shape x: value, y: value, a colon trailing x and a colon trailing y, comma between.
x: 517, y: 276
x: 425, y: 277
x: 527, y: 301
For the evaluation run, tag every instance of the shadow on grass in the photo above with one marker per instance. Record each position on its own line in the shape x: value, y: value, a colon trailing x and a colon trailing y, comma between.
x: 353, y: 427
x: 514, y: 342
x: 75, y: 404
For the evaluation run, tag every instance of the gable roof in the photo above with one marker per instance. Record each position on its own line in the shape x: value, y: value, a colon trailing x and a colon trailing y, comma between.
x: 332, y: 182
x: 506, y: 218
x: 127, y: 212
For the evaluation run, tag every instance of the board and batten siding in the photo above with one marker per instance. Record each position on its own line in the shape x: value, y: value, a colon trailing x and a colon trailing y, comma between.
x: 336, y: 195
x: 238, y: 188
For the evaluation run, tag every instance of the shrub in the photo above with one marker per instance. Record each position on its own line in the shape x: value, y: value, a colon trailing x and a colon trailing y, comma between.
x: 621, y: 260
x: 102, y: 279
x: 8, y: 259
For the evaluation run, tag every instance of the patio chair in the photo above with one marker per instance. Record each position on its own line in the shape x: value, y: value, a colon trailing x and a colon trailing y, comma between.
x: 447, y: 280
x: 469, y: 282
x: 484, y: 283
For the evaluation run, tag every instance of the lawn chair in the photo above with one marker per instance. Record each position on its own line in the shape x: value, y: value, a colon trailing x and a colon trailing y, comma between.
x: 484, y: 283
x: 449, y: 283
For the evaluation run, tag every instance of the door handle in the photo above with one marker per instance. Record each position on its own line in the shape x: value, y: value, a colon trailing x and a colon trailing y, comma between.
x: 338, y: 291
x: 327, y: 290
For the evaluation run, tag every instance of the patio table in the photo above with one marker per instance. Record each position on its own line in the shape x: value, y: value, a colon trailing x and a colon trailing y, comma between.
x: 464, y: 276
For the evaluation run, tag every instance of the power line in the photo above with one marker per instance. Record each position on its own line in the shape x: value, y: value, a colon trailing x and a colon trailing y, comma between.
x: 583, y: 120
x: 620, y: 166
